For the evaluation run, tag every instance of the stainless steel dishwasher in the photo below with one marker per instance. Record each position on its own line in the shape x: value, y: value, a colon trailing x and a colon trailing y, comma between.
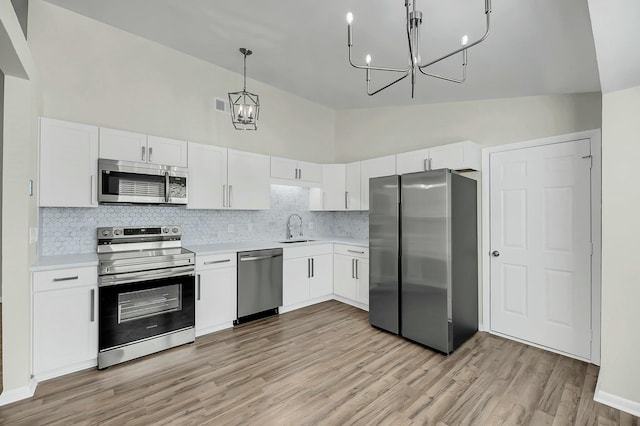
x: 259, y: 284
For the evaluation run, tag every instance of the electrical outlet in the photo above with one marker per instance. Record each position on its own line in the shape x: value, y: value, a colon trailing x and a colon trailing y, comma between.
x: 230, y: 228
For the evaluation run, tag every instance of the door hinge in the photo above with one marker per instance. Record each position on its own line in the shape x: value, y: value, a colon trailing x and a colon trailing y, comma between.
x: 590, y: 160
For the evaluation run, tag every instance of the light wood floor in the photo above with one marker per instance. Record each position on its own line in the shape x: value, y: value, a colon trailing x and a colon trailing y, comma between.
x: 325, y: 365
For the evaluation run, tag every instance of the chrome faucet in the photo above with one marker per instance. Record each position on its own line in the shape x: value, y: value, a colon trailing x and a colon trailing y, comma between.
x: 289, y: 227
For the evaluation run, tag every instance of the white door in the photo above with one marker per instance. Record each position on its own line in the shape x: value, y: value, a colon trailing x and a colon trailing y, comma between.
x: 295, y: 280
x: 352, y: 186
x: 249, y: 181
x: 321, y: 282
x: 284, y: 168
x: 540, y: 239
x: 412, y: 161
x: 215, y: 298
x: 168, y: 152
x: 310, y: 172
x: 121, y: 145
x: 333, y: 196
x: 344, y: 276
x: 207, y: 177
x: 362, y: 274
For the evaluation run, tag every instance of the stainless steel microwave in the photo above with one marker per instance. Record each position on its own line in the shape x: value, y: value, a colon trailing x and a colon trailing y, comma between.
x: 127, y: 182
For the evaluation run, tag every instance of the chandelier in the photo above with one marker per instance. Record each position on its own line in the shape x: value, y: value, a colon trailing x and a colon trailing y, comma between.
x: 245, y: 106
x: 414, y: 21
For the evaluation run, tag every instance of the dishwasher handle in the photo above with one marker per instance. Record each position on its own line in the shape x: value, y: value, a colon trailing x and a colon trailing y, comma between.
x: 251, y: 258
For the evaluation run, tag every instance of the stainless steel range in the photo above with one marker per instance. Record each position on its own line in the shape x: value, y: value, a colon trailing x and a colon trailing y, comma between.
x: 146, y: 292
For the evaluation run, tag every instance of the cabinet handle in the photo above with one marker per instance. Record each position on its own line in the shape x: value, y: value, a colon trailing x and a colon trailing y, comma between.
x: 299, y: 173
x: 308, y: 267
x: 313, y: 267
x: 93, y: 189
x: 355, y: 251
x: 353, y: 268
x: 230, y: 197
x: 224, y: 195
x: 198, y: 287
x: 346, y: 200
x: 55, y: 280
x: 92, y: 313
x: 143, y: 152
x: 426, y: 167
x: 212, y: 262
x: 150, y: 153
x: 357, y: 261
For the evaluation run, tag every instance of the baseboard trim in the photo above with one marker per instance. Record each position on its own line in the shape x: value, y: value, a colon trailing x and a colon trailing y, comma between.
x: 615, y: 401
x: 10, y: 396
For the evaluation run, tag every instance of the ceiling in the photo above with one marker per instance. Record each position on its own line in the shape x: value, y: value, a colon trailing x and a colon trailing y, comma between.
x: 534, y: 48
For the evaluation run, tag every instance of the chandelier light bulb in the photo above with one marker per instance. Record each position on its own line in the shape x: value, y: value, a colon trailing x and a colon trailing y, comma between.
x: 367, y: 59
x: 349, y: 18
x: 465, y: 40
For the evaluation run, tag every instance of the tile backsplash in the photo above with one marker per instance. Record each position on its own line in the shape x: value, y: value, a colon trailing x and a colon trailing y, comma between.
x: 73, y: 230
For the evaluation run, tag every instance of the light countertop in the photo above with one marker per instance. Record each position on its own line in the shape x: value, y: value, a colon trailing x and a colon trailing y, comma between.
x: 47, y: 263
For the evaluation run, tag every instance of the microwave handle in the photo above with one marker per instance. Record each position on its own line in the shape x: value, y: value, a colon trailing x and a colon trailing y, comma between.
x: 166, y: 187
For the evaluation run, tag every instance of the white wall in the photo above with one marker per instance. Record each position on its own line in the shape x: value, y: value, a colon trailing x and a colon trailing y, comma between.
x: 620, y: 371
x: 97, y: 74
x: 368, y: 133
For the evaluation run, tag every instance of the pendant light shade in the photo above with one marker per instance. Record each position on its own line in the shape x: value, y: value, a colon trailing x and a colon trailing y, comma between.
x: 245, y: 106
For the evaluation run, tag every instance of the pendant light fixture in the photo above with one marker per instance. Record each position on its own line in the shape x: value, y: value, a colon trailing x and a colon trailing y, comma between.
x: 414, y: 21
x: 245, y: 106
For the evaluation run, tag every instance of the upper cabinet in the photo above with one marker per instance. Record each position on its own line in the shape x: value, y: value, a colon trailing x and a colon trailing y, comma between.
x: 207, y: 177
x: 221, y: 178
x: 465, y: 156
x: 68, y: 164
x: 353, y: 186
x: 248, y: 181
x: 129, y: 146
x: 376, y: 167
x: 294, y: 172
x: 332, y: 194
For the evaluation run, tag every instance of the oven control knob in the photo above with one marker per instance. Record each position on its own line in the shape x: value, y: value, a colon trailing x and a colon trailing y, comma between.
x: 165, y: 230
x: 106, y: 233
x: 175, y: 230
x: 117, y: 231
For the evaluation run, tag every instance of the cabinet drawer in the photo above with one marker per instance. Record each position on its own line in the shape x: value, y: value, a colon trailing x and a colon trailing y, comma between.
x: 57, y: 279
x: 354, y: 251
x: 306, y: 251
x: 214, y: 261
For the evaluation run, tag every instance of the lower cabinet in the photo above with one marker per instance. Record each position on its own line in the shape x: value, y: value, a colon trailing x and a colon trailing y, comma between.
x: 216, y: 281
x: 307, y: 274
x: 65, y: 321
x: 351, y: 273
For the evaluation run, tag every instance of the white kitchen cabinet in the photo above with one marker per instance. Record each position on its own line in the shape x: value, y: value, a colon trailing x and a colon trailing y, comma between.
x: 248, y: 178
x: 207, y: 177
x: 351, y: 273
x: 412, y: 161
x: 65, y: 321
x: 68, y: 164
x: 129, y: 146
x: 285, y: 170
x: 465, y: 155
x: 216, y: 283
x: 352, y: 186
x: 375, y: 167
x: 332, y: 195
x: 307, y: 273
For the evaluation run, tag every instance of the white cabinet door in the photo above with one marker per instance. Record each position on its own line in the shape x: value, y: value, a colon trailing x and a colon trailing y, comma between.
x: 284, y: 168
x: 321, y: 281
x: 456, y: 156
x: 215, y: 298
x: 168, y: 152
x: 362, y: 275
x: 65, y: 331
x: 121, y: 145
x: 248, y: 179
x: 352, y: 186
x: 310, y: 172
x: 207, y: 177
x: 68, y: 164
x: 344, y: 282
x: 332, y: 195
x: 376, y: 167
x: 413, y: 161
x: 295, y: 280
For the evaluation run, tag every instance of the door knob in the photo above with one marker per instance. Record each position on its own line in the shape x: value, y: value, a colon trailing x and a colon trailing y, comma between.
x: 495, y: 253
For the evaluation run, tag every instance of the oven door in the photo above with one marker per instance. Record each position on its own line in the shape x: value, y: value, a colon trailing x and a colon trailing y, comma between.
x: 139, y: 310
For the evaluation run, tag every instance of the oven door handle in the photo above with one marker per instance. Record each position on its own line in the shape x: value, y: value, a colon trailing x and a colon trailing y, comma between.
x: 251, y: 258
x: 132, y: 277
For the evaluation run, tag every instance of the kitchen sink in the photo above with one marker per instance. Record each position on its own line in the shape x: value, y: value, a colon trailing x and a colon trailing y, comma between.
x: 295, y: 241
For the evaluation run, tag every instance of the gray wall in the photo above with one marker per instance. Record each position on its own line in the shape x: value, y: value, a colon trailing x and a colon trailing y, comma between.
x: 22, y: 10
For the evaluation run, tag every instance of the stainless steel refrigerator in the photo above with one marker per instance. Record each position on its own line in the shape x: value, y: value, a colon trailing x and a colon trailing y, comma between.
x: 423, y: 269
